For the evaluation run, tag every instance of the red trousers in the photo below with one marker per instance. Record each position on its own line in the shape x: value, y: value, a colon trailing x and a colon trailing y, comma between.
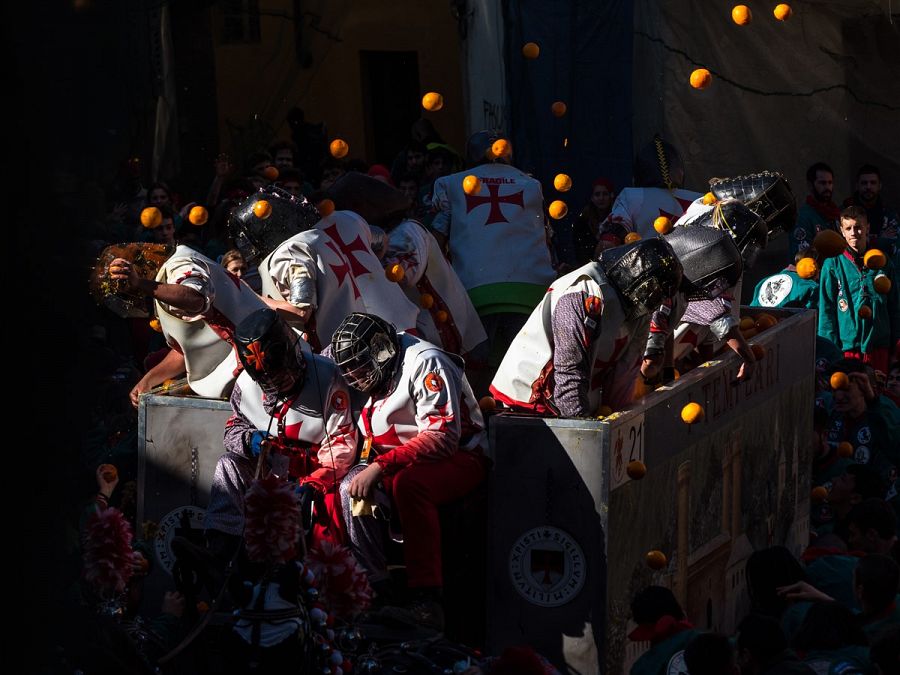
x: 418, y: 490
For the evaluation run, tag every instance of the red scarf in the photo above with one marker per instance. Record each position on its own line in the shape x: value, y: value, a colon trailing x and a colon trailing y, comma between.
x: 829, y: 210
x: 664, y: 628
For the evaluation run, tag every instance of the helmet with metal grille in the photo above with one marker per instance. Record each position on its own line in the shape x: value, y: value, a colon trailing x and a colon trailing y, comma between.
x: 267, y: 349
x: 366, y: 348
x: 766, y: 193
x: 644, y: 273
x: 710, y: 259
x: 258, y: 231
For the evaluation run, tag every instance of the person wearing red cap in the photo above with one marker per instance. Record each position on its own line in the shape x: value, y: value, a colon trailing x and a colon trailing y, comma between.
x: 382, y: 173
x: 585, y: 227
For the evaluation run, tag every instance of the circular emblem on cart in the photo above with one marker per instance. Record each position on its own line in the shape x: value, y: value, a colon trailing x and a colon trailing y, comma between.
x: 864, y: 435
x: 861, y: 455
x: 185, y: 521
x: 547, y: 567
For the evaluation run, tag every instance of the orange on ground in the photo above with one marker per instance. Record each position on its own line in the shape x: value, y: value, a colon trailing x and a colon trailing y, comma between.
x: 558, y: 108
x: 339, y: 148
x: 765, y: 321
x: 701, y: 78
x: 198, y: 215
x: 395, y: 272
x: 530, y: 50
x: 741, y: 15
x: 432, y: 101
x: 839, y: 380
x: 692, y: 413
x: 636, y: 469
x: 557, y: 209
x: 471, y: 185
x: 151, y: 217
x: 662, y: 225
x: 807, y: 268
x: 783, y: 11
x: 262, y: 209
x: 656, y: 560
x: 562, y: 182
x: 874, y: 259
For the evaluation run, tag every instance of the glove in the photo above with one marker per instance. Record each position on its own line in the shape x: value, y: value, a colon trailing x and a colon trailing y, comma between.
x: 307, y: 497
x: 256, y: 439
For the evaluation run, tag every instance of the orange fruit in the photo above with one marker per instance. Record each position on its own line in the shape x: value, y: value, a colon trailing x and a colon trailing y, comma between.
x: 325, y: 207
x: 487, y: 404
x: 632, y: 237
x: 198, y: 215
x: 882, y: 284
x: 864, y: 312
x: 339, y: 148
x: 845, y: 449
x: 605, y: 411
x: 151, y: 217
x: 395, y: 272
x: 839, y: 380
x: 765, y: 321
x: 557, y: 209
x: 501, y: 149
x: 270, y: 173
x: 874, y: 259
x: 701, y: 78
x: 109, y: 472
x: 262, y: 209
x: 749, y: 333
x: 656, y: 560
x: 709, y: 198
x: 562, y: 182
x: 807, y: 268
x: 156, y: 325
x: 692, y: 413
x: 819, y: 493
x: 759, y: 352
x: 783, y: 11
x: 741, y: 15
x: 432, y: 101
x: 662, y: 225
x: 636, y: 469
x: 828, y: 244
x: 747, y: 322
x: 471, y: 185
x: 426, y: 300
x: 441, y: 316
x: 202, y: 607
x: 530, y: 50
x: 168, y: 384
x: 558, y: 108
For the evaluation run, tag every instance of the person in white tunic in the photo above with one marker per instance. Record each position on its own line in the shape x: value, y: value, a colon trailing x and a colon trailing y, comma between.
x: 581, y: 347
x: 327, y: 271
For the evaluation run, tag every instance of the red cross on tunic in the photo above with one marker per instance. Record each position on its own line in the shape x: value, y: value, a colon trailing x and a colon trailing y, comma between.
x: 600, y: 366
x: 684, y: 203
x: 495, y: 215
x: 351, y: 266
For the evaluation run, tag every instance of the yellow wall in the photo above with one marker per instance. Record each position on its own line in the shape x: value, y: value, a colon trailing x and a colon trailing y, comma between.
x: 265, y: 79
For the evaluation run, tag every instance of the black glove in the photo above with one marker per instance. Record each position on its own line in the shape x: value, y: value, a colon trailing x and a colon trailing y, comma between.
x: 308, y: 497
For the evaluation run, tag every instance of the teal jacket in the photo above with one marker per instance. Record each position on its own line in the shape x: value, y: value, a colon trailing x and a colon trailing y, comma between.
x: 809, y: 223
x: 655, y: 661
x: 849, y: 660
x: 844, y: 286
x: 786, y: 289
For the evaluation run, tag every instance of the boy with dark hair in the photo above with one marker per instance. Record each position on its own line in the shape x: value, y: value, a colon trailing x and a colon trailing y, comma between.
x: 660, y: 621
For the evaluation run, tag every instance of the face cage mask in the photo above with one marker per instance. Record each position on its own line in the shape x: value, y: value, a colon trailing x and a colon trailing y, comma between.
x: 369, y: 368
